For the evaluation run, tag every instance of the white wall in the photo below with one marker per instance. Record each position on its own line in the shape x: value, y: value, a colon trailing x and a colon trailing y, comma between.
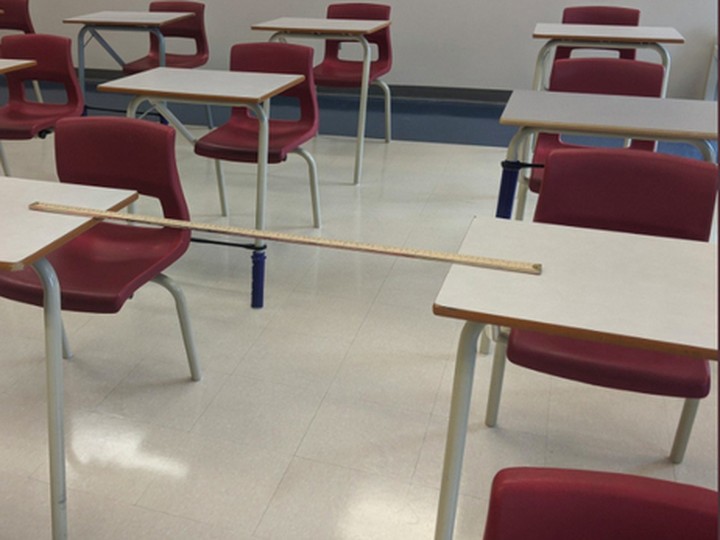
x: 454, y: 43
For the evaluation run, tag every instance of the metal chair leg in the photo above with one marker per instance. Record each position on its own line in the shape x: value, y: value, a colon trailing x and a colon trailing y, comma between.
x: 484, y: 347
x: 4, y: 161
x: 66, y: 350
x: 496, y: 379
x: 521, y: 202
x: 210, y: 120
x: 38, y: 93
x: 314, y: 189
x: 181, y: 305
x: 682, y: 435
x: 221, y: 188
x: 388, y: 112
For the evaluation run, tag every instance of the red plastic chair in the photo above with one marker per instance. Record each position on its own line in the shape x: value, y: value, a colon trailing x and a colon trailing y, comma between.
x: 21, y: 118
x: 237, y: 139
x: 562, y: 504
x: 15, y: 15
x: 336, y: 72
x: 611, y: 15
x: 613, y: 76
x: 630, y: 191
x: 191, y: 28
x: 102, y: 268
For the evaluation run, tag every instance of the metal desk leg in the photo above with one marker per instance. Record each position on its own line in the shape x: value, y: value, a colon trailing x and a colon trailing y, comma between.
x: 362, y: 110
x: 161, y: 45
x: 665, y: 61
x: 53, y: 355
x: 509, y: 180
x: 81, y: 63
x: 258, y: 258
x: 707, y: 150
x: 539, y: 75
x: 165, y: 114
x: 257, y: 295
x: 457, y: 429
x: 82, y: 43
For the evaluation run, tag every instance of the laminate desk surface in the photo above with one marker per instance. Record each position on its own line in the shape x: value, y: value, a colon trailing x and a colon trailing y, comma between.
x: 635, y: 290
x: 322, y: 26
x: 29, y: 235
x: 631, y: 116
x: 608, y: 33
x: 128, y: 18
x: 208, y: 86
x: 7, y: 65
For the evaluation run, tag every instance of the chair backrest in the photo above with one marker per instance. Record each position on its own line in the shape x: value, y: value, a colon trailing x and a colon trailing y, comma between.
x: 607, y: 76
x: 381, y: 38
x: 191, y: 27
x: 121, y: 153
x: 16, y: 16
x: 614, y: 15
x: 284, y: 58
x: 629, y: 191
x: 616, y: 76
x: 54, y: 64
x: 561, y: 504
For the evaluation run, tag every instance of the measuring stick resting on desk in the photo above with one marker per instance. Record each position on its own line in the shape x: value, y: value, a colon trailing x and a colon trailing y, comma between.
x: 455, y: 258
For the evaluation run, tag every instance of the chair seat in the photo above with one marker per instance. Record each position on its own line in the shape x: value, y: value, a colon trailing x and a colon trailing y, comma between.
x: 610, y: 365
x: 115, y: 276
x: 24, y: 121
x: 566, y: 504
x: 345, y: 74
x: 152, y: 61
x: 237, y: 140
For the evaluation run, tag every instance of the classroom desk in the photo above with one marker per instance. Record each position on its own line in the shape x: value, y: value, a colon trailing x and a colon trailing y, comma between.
x: 595, y: 285
x: 124, y: 21
x: 681, y: 120
x: 214, y: 87
x: 28, y: 237
x: 601, y: 36
x: 345, y: 29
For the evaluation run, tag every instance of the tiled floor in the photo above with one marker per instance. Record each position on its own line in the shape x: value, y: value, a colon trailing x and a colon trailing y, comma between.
x: 321, y: 416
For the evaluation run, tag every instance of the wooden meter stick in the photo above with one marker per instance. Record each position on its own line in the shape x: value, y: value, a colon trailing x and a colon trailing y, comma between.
x: 455, y: 258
